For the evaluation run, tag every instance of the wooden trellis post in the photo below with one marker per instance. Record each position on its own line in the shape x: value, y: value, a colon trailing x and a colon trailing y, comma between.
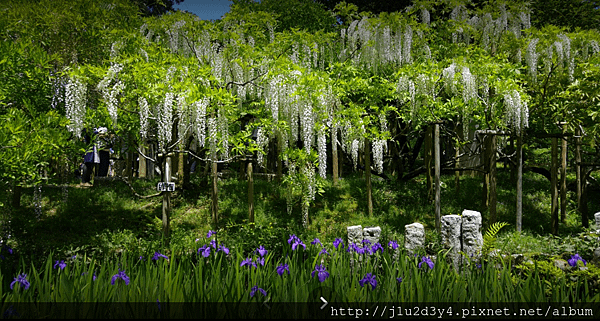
x: 563, y: 175
x: 519, y: 182
x: 438, y: 210
x: 166, y: 203
x: 367, y: 163
x: 250, y: 193
x: 554, y: 189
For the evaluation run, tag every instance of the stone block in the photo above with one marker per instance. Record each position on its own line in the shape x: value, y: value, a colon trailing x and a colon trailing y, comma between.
x: 355, y: 234
x: 472, y: 239
x: 372, y: 234
x: 450, y: 228
x: 414, y: 237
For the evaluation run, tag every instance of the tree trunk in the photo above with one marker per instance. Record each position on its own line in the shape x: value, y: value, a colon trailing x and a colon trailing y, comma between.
x: 180, y: 165
x: 367, y: 163
x: 563, y: 178
x: 459, y: 131
x: 166, y: 204
x: 492, y: 179
x: 436, y: 143
x: 279, y: 162
x: 578, y: 172
x: 519, y: 182
x: 142, y: 160
x: 554, y: 189
x: 250, y: 194
x: 150, y: 163
x: 16, y: 196
x: 128, y: 165
x: 215, y: 203
x: 486, y: 167
x: 427, y: 156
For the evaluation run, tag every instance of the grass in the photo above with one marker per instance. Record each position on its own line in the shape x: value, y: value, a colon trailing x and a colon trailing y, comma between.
x: 107, y: 218
x: 104, y: 229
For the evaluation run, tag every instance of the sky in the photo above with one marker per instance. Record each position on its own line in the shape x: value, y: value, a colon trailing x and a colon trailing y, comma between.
x: 205, y: 9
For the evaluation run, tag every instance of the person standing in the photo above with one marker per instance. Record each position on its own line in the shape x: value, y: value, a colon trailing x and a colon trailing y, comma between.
x: 90, y: 159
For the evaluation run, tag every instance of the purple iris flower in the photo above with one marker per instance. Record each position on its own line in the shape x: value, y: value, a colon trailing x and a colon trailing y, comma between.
x: 248, y: 262
x: 22, y: 280
x: 205, y: 250
x: 322, y: 274
x: 260, y: 260
x: 426, y: 260
x: 574, y: 258
x: 261, y: 251
x: 296, y: 241
x: 377, y: 247
x: 223, y: 248
x: 399, y: 280
x: 157, y: 256
x: 210, y: 233
x: 366, y: 241
x: 158, y: 304
x: 282, y: 268
x: 393, y: 245
x: 323, y: 251
x: 337, y: 242
x: 60, y: 264
x: 369, y: 279
x: 316, y: 241
x: 121, y: 275
x: 254, y: 288
x: 213, y: 243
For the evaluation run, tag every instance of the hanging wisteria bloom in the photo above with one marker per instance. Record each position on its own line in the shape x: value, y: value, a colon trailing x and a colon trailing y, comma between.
x: 368, y: 279
x: 60, y: 264
x: 22, y: 280
x: 282, y: 268
x: 157, y: 256
x: 574, y: 259
x: 322, y: 274
x: 256, y: 288
x: 121, y: 275
x: 295, y: 241
x: 426, y: 260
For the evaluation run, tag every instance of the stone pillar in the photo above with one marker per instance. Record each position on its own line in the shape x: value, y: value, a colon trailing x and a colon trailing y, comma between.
x: 597, y: 218
x: 355, y: 234
x: 472, y: 240
x: 372, y: 234
x: 450, y: 231
x: 414, y: 238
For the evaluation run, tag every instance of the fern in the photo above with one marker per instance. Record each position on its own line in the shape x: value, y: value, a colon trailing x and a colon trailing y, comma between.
x: 489, y: 238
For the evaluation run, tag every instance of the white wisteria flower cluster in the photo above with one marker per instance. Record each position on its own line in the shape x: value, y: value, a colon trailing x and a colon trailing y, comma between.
x: 75, y: 104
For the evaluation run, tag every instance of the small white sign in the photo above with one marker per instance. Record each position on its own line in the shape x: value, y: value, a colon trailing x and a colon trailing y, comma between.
x: 165, y: 187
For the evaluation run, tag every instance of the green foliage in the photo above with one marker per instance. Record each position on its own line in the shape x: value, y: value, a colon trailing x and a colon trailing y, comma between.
x: 489, y: 237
